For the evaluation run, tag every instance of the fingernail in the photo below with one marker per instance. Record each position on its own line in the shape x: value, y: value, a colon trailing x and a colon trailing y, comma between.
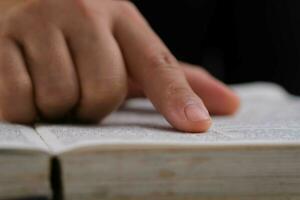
x: 195, y: 113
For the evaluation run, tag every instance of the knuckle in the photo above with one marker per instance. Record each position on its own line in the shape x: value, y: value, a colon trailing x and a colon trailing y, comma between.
x: 31, y: 17
x: 174, y: 90
x: 23, y: 87
x: 127, y: 8
x: 81, y: 5
x: 14, y: 84
x: 17, y: 87
x: 13, y: 80
x: 12, y: 110
x: 106, y: 95
x: 163, y: 60
x: 57, y: 99
x: 127, y: 5
x: 90, y: 15
x: 97, y: 102
x: 88, y: 9
x: 23, y: 20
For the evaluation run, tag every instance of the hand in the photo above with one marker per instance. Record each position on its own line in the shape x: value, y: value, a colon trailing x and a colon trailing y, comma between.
x: 58, y: 56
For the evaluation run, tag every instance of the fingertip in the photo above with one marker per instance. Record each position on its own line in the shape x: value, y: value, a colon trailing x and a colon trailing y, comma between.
x: 196, y: 113
x: 199, y: 127
x: 233, y: 104
x: 226, y: 103
x: 192, y: 117
x: 193, y: 127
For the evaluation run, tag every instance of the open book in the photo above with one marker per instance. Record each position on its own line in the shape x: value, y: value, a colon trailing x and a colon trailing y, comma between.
x: 135, y: 154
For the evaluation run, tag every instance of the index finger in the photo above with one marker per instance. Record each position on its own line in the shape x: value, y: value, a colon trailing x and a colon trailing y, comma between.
x: 152, y: 65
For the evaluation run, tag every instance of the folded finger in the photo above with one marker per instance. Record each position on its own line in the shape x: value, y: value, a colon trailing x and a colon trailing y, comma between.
x: 52, y: 71
x: 16, y: 92
x: 101, y: 70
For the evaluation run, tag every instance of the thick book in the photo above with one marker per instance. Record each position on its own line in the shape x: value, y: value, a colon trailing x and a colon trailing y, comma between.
x: 135, y: 154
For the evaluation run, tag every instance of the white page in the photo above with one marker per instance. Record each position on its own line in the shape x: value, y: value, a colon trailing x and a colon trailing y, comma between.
x: 258, y: 89
x: 20, y: 137
x: 268, y: 115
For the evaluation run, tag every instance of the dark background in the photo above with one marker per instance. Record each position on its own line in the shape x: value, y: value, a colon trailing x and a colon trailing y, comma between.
x: 237, y: 41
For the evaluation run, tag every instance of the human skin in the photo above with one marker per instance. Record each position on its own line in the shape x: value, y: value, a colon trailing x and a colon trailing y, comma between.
x: 86, y: 57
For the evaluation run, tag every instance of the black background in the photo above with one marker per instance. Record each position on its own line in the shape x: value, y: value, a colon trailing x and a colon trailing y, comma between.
x: 237, y: 41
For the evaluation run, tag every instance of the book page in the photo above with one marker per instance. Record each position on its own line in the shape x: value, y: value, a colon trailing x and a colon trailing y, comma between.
x: 20, y: 137
x: 258, y: 89
x: 268, y: 115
